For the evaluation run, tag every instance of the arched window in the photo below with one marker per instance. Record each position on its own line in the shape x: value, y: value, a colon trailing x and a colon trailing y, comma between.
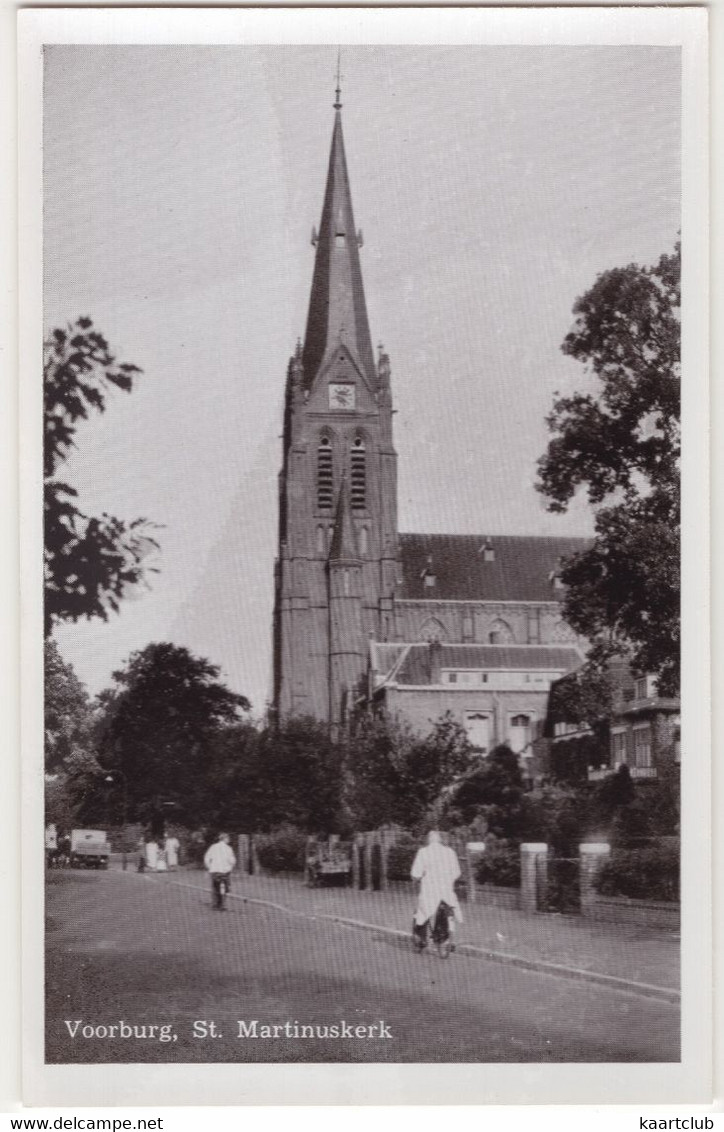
x: 321, y: 540
x: 520, y: 732
x: 500, y: 633
x: 432, y: 630
x: 363, y: 540
x: 358, y: 474
x: 325, y: 477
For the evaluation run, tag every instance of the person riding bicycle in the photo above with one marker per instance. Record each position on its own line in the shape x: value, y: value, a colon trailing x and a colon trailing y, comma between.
x: 437, y: 868
x: 219, y: 860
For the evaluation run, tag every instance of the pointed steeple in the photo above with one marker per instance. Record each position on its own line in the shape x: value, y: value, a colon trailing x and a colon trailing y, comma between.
x: 337, y: 308
x: 343, y: 547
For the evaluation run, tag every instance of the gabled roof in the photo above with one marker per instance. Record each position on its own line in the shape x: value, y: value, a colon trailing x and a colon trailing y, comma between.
x: 522, y: 567
x: 337, y: 308
x: 414, y: 664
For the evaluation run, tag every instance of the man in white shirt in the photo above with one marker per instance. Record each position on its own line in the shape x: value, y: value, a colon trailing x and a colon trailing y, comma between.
x: 219, y: 860
x: 437, y: 868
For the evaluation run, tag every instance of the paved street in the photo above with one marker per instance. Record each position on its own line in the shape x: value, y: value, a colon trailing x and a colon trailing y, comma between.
x: 149, y: 951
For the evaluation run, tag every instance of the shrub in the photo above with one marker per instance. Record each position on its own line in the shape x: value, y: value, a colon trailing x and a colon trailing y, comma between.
x: 283, y: 850
x: 401, y: 856
x: 500, y: 864
x: 643, y: 874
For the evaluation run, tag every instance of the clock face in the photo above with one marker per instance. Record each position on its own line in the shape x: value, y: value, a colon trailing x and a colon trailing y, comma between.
x: 341, y: 396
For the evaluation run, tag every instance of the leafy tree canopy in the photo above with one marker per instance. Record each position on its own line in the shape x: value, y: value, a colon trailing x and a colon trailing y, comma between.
x: 623, y: 447
x: 394, y: 776
x: 90, y: 562
x: 68, y: 716
x: 158, y: 726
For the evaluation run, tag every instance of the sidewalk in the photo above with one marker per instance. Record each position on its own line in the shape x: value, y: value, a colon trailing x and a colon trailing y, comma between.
x: 643, y: 959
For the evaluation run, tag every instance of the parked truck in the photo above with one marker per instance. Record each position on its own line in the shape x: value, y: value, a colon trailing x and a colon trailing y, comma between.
x: 89, y: 849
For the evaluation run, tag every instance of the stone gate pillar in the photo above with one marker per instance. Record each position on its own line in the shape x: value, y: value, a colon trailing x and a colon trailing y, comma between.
x: 533, y: 872
x: 593, y: 855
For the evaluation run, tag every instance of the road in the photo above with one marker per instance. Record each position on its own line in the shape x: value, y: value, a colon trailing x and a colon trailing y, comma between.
x: 148, y: 951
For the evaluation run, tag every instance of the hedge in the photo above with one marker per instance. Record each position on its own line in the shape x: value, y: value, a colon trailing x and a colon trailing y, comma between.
x: 500, y: 864
x: 400, y: 857
x: 642, y: 874
x: 282, y: 851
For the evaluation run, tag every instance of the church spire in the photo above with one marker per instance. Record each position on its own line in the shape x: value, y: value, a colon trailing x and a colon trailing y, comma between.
x: 343, y: 547
x: 337, y: 308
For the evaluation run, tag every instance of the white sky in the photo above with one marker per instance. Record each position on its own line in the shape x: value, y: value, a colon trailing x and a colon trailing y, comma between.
x: 181, y: 185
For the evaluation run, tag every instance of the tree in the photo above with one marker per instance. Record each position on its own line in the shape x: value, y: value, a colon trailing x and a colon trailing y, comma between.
x: 623, y: 446
x: 395, y: 776
x: 68, y: 716
x: 158, y: 726
x: 90, y: 562
x: 493, y: 792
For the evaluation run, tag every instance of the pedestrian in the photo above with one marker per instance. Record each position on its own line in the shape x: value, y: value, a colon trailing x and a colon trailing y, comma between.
x: 171, y: 848
x: 219, y: 860
x: 151, y: 855
x: 437, y: 868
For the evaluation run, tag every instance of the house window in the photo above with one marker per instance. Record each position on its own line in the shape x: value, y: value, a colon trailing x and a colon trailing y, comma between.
x: 618, y: 747
x: 477, y: 725
x: 642, y: 746
x: 358, y: 475
x: 520, y: 732
x: 325, y: 478
x: 430, y: 581
x: 534, y: 626
x: 321, y: 540
x: 363, y: 540
x: 640, y: 688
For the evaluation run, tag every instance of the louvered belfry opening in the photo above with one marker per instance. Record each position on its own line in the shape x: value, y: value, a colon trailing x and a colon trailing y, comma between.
x: 358, y: 475
x: 325, y: 475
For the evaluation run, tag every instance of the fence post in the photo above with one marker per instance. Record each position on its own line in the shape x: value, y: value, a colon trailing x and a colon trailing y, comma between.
x: 533, y: 862
x: 473, y: 852
x: 243, y: 853
x: 593, y: 855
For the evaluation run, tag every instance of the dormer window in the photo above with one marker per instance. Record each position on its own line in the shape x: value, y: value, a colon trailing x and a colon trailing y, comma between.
x: 339, y: 240
x: 487, y: 551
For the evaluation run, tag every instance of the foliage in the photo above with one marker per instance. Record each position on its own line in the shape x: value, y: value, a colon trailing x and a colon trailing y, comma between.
x: 90, y: 562
x: 282, y: 850
x: 394, y: 776
x: 644, y: 874
x: 571, y: 758
x: 560, y: 815
x: 68, y: 716
x: 624, y: 447
x: 400, y: 857
x: 157, y: 727
x: 297, y: 778
x: 500, y: 864
x: 493, y: 791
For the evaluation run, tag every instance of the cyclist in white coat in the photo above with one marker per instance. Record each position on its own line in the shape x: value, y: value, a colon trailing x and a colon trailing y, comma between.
x: 437, y: 868
x: 219, y: 860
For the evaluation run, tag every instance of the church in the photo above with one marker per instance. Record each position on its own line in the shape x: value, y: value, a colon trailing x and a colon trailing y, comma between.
x: 367, y: 617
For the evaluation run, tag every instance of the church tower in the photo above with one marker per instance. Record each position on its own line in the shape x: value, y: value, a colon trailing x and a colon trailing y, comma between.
x: 337, y: 563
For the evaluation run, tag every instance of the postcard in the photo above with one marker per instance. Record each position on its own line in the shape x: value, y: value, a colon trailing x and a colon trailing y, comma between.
x: 364, y: 556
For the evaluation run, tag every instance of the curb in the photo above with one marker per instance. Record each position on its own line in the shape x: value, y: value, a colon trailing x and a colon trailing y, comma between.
x: 578, y: 974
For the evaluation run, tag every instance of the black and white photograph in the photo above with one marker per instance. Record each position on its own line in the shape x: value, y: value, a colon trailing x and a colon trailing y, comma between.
x: 360, y: 731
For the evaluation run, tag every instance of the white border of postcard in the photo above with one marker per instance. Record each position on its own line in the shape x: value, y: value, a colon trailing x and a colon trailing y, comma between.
x: 157, y: 1084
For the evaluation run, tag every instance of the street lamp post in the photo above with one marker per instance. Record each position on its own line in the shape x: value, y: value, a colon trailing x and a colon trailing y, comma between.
x: 124, y: 814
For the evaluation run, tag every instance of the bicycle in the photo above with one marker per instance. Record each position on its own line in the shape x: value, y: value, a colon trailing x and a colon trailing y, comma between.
x: 436, y: 929
x: 221, y: 887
